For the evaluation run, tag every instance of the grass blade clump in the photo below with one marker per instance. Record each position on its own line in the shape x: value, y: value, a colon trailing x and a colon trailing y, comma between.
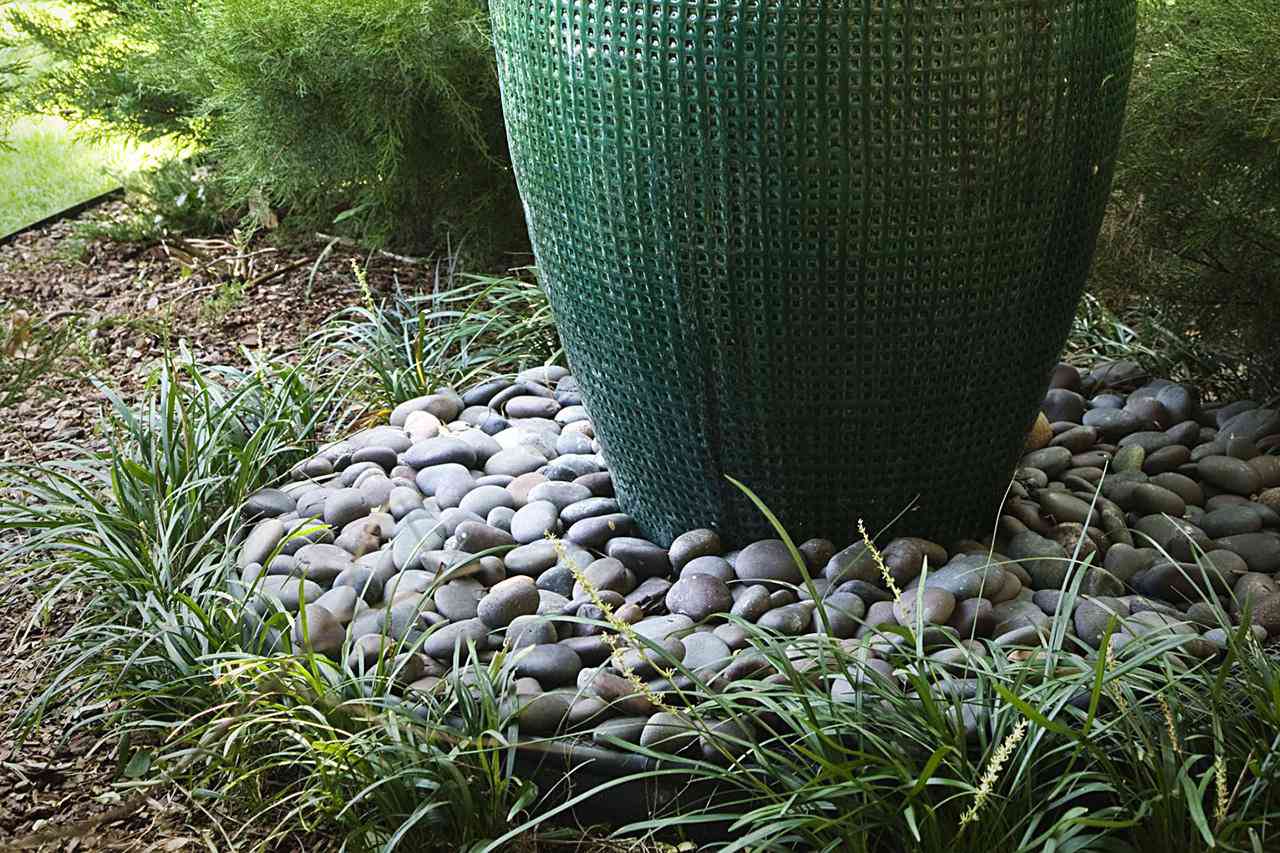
x: 462, y: 331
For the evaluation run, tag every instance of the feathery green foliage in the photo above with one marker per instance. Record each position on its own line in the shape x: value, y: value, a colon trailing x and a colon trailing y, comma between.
x: 384, y: 112
x: 381, y: 117
x: 1195, y: 222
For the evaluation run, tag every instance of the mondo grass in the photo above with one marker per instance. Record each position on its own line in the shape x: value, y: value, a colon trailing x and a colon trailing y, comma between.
x: 1020, y: 750
x: 1148, y: 335
x: 466, y: 328
x: 162, y: 658
x: 908, y: 738
x: 140, y: 533
x: 979, y: 747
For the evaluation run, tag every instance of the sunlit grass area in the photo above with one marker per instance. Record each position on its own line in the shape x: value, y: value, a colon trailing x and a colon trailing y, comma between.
x: 51, y: 167
x: 50, y: 164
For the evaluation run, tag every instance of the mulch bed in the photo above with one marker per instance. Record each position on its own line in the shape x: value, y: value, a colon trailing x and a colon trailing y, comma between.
x: 124, y: 305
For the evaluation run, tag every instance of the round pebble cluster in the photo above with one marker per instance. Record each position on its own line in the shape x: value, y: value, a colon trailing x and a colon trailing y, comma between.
x: 473, y: 520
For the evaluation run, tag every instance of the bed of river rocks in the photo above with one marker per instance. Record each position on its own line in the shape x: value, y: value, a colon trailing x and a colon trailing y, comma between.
x: 485, y: 522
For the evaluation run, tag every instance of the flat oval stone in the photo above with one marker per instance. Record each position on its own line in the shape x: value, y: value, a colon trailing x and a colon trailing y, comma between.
x: 558, y: 579
x: 1061, y: 404
x: 1229, y: 474
x: 1064, y: 507
x: 600, y: 483
x: 479, y: 395
x: 648, y: 593
x: 444, y: 407
x: 402, y: 501
x: 1166, y: 459
x: 1148, y: 498
x: 267, y: 503
x: 521, y: 486
x: 379, y: 436
x: 973, y: 617
x: 483, y: 499
x: 528, y: 406
x: 260, y: 542
x: 441, y: 642
x: 1268, y: 470
x: 572, y: 441
x: 1229, y: 521
x: 1180, y: 539
x: 1114, y: 424
x: 1044, y: 560
x: 1182, y: 486
x: 289, y: 590
x: 968, y: 576
x: 597, y: 530
x: 500, y: 517
x: 717, y: 567
x: 1051, y: 460
x: 752, y: 603
x: 734, y: 636
x: 421, y: 425
x: 322, y: 563
x: 705, y: 653
x: 606, y: 574
x: 515, y: 596
x: 560, y: 493
x: 365, y: 582
x: 1093, y: 616
x: 767, y: 560
x: 641, y: 556
x: 429, y: 479
x: 476, y: 536
x: 535, y: 520
x: 530, y: 630
x: 692, y: 545
x: 384, y: 457
x: 588, y: 508
x: 1261, y: 551
x: 542, y: 714
x: 1076, y: 440
x: 483, y: 444
x: 442, y: 450
x: 552, y: 664
x: 646, y: 662
x: 1253, y: 424
x: 662, y: 627
x: 844, y: 612
x: 457, y: 600
x: 531, y: 559
x: 514, y: 462
x: 1149, y: 440
x: 626, y: 729
x: 699, y: 597
x: 318, y: 630
x: 529, y: 438
x: 790, y: 619
x: 933, y: 606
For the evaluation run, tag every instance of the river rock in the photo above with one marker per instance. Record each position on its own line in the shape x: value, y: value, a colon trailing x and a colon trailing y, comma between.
x: 535, y: 520
x: 692, y: 545
x: 515, y: 596
x: 699, y: 596
x: 1229, y: 474
x: 552, y: 664
x: 768, y: 560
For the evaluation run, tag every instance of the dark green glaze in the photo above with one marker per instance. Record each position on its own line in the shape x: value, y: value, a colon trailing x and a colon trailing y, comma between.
x: 831, y: 249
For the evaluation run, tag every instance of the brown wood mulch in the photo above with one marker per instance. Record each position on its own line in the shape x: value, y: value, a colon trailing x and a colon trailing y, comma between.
x: 119, y: 307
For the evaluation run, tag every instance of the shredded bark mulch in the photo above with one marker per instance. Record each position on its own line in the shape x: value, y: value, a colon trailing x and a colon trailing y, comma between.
x: 116, y: 308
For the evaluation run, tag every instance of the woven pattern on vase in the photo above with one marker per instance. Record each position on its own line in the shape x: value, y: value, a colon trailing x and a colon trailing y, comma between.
x: 831, y: 248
